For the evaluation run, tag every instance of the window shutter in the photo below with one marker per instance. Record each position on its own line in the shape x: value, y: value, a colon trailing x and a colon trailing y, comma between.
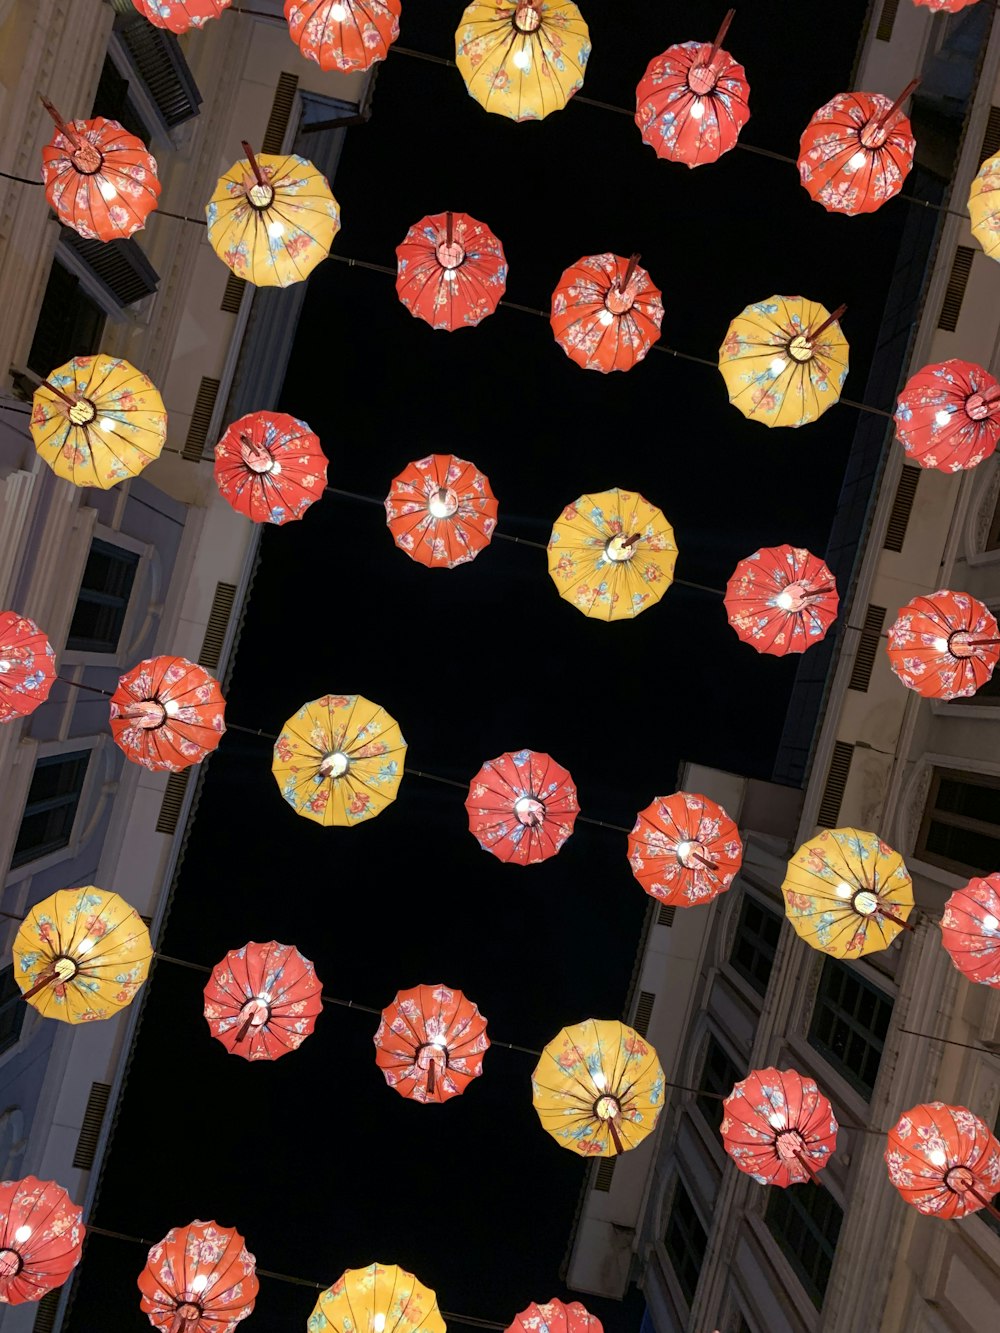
x: 906, y: 489
x: 643, y: 1012
x: 233, y: 295
x: 836, y: 781
x: 991, y: 138
x: 864, y: 658
x: 45, y: 1312
x: 93, y: 1119
x: 124, y: 272
x: 204, y: 405
x: 604, y: 1174
x: 886, y: 21
x: 218, y: 623
x: 281, y: 114
x: 159, y: 63
x: 665, y: 916
x: 173, y: 799
x: 951, y: 306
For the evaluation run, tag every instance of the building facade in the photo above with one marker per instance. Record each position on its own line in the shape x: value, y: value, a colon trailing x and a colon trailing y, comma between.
x: 160, y: 564
x: 735, y: 989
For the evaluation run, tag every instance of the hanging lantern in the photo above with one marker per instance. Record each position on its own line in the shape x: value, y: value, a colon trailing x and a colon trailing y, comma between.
x: 451, y: 271
x: 944, y: 1160
x: 441, y: 511
x: 262, y: 1000
x: 522, y: 58
x: 944, y: 646
x: 199, y: 1279
x: 430, y: 1043
x: 27, y: 666
x: 778, y: 1127
x: 555, y: 1317
x: 97, y: 421
x: 612, y: 554
x: 41, y: 1238
x: 857, y: 151
x: 970, y: 929
x: 522, y: 807
x: 99, y: 179
x: 270, y: 466
x: 984, y: 207
x: 945, y: 6
x: 81, y: 955
x: 272, y: 218
x: 167, y: 714
x: 684, y: 850
x: 606, y: 313
x: 781, y: 599
x: 378, y: 1299
x: 692, y: 101
x: 598, y: 1088
x: 948, y: 416
x: 339, y: 760
x: 847, y: 893
x: 180, y: 16
x: 344, y: 35
x: 784, y: 360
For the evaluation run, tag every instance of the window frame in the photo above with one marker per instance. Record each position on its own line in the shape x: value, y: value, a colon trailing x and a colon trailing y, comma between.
x: 711, y: 1039
x: 65, y: 800
x: 921, y: 852
x: 680, y: 1187
x: 135, y: 609
x: 844, y: 1072
x: 791, y: 1201
x: 766, y: 906
x: 19, y: 784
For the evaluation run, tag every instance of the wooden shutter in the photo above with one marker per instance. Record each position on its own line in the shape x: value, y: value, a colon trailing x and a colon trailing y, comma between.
x: 886, y: 21
x: 121, y: 268
x: 281, y: 114
x: 218, y: 623
x: 204, y: 405
x: 899, y: 518
x: 93, y: 1119
x: 45, y: 1312
x: 665, y: 916
x: 836, y: 781
x: 864, y: 658
x: 991, y: 138
x: 173, y: 799
x: 232, y: 297
x: 951, y: 306
x: 643, y: 1012
x: 604, y: 1173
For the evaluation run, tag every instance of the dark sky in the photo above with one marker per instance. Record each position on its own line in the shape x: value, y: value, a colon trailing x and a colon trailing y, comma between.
x: 314, y: 1158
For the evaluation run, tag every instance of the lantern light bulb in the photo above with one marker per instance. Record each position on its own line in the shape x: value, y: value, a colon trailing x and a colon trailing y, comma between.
x: 940, y: 645
x: 606, y: 317
x: 22, y: 1234
x: 990, y: 922
x: 438, y: 505
x: 599, y: 1079
x: 200, y: 1282
x: 778, y: 365
x: 785, y: 600
x: 275, y: 229
x: 106, y: 423
x: 844, y: 890
x: 338, y: 13
x: 522, y: 59
x: 776, y: 1120
x: 942, y: 417
x: 378, y: 1323
x: 937, y: 1157
x: 171, y: 708
x: 857, y: 161
x: 86, y: 945
x: 107, y: 190
x: 697, y: 109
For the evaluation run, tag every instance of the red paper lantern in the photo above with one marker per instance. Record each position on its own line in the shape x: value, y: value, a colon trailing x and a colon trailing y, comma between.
x: 270, y: 467
x: 944, y: 646
x: 167, y: 714
x: 857, y: 151
x: 41, y: 1238
x: 684, y: 849
x: 948, y: 416
x: 781, y: 599
x: 343, y: 34
x: 606, y: 313
x: 970, y: 929
x: 262, y: 1000
x: 522, y: 807
x: 944, y: 1160
x: 778, y: 1127
x: 555, y: 1317
x: 199, y: 1279
x: 451, y: 271
x: 27, y: 666
x: 441, y: 511
x: 430, y: 1043
x: 180, y: 15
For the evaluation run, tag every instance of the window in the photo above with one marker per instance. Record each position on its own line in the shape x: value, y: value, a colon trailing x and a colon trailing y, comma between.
x: 849, y: 1023
x: 756, y: 940
x: 69, y: 324
x: 113, y: 102
x: 805, y: 1220
x: 50, y: 809
x: 103, y: 599
x: 685, y: 1242
x: 961, y: 825
x: 11, y: 1010
x: 718, y: 1074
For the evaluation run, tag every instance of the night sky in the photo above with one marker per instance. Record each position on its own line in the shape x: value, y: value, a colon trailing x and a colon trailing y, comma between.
x: 318, y: 1162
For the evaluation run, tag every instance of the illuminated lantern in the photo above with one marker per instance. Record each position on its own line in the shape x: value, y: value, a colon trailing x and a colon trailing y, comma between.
x: 778, y: 1127
x: 984, y: 207
x: 944, y: 646
x: 430, y: 1043
x: 555, y: 1317
x: 606, y: 312
x: 262, y: 1000
x: 684, y: 849
x: 944, y: 1160
x: 781, y: 599
x: 451, y: 271
x: 857, y: 151
x: 270, y: 466
x: 970, y: 929
x: 522, y: 807
x: 378, y: 1299
x: 199, y: 1279
x: 41, y: 1238
x: 167, y: 713
x: 27, y: 666
x: 343, y: 35
x: 441, y: 511
x: 181, y: 15
x: 948, y: 416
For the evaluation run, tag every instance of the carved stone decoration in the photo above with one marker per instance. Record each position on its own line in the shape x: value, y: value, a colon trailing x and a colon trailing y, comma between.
x: 909, y: 812
x: 980, y: 513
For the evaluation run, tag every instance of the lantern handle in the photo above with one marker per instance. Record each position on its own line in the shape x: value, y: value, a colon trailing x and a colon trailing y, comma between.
x: 61, y: 125
x: 802, y: 1156
x: 720, y: 37
x: 985, y: 1202
x: 623, y: 283
x: 616, y: 1138
x: 890, y: 115
x: 254, y: 165
x: 631, y: 541
x: 830, y: 319
x: 896, y: 920
x: 431, y: 1075
x: 709, y: 865
x: 46, y: 980
x: 449, y: 228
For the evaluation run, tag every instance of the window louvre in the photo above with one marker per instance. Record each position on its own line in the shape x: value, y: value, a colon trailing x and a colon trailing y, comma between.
x: 123, y: 271
x: 604, y: 1174
x: 281, y: 113
x: 951, y: 306
x: 45, y: 1312
x: 232, y: 297
x: 806, y: 1222
x: 218, y: 623
x: 93, y: 1119
x: 886, y: 21
x: 899, y: 518
x: 159, y: 64
x: 173, y: 799
x: 665, y: 916
x: 836, y: 781
x: 643, y: 1012
x: 112, y: 101
x: 756, y: 942
x: 868, y: 643
x: 991, y: 139
x: 204, y: 406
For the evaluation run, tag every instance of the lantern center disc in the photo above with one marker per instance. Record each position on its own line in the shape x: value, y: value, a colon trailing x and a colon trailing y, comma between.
x: 65, y: 968
x: 443, y: 503
x: 688, y: 854
x: 800, y: 348
x: 976, y: 407
x: 11, y: 1263
x: 450, y: 256
x: 146, y: 713
x: 256, y: 457
x: 87, y: 159
x: 257, y: 1010
x: 189, y: 1311
x: 959, y: 1179
x: 334, y: 765
x: 865, y: 903
x: 529, y: 811
x: 959, y: 644
x: 607, y: 1107
x: 527, y: 18
x: 787, y: 1144
x: 432, y: 1052
x: 794, y: 597
x: 619, y: 301
x: 260, y: 196
x: 83, y: 412
x: 702, y: 79
x: 874, y: 135
x: 617, y: 551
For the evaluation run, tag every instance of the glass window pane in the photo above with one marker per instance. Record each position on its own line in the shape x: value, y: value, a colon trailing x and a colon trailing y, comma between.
x: 685, y: 1242
x: 12, y: 1009
x: 975, y: 797
x: 976, y: 851
x: 756, y: 940
x: 805, y: 1220
x: 103, y: 598
x: 49, y: 812
x: 849, y: 1023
